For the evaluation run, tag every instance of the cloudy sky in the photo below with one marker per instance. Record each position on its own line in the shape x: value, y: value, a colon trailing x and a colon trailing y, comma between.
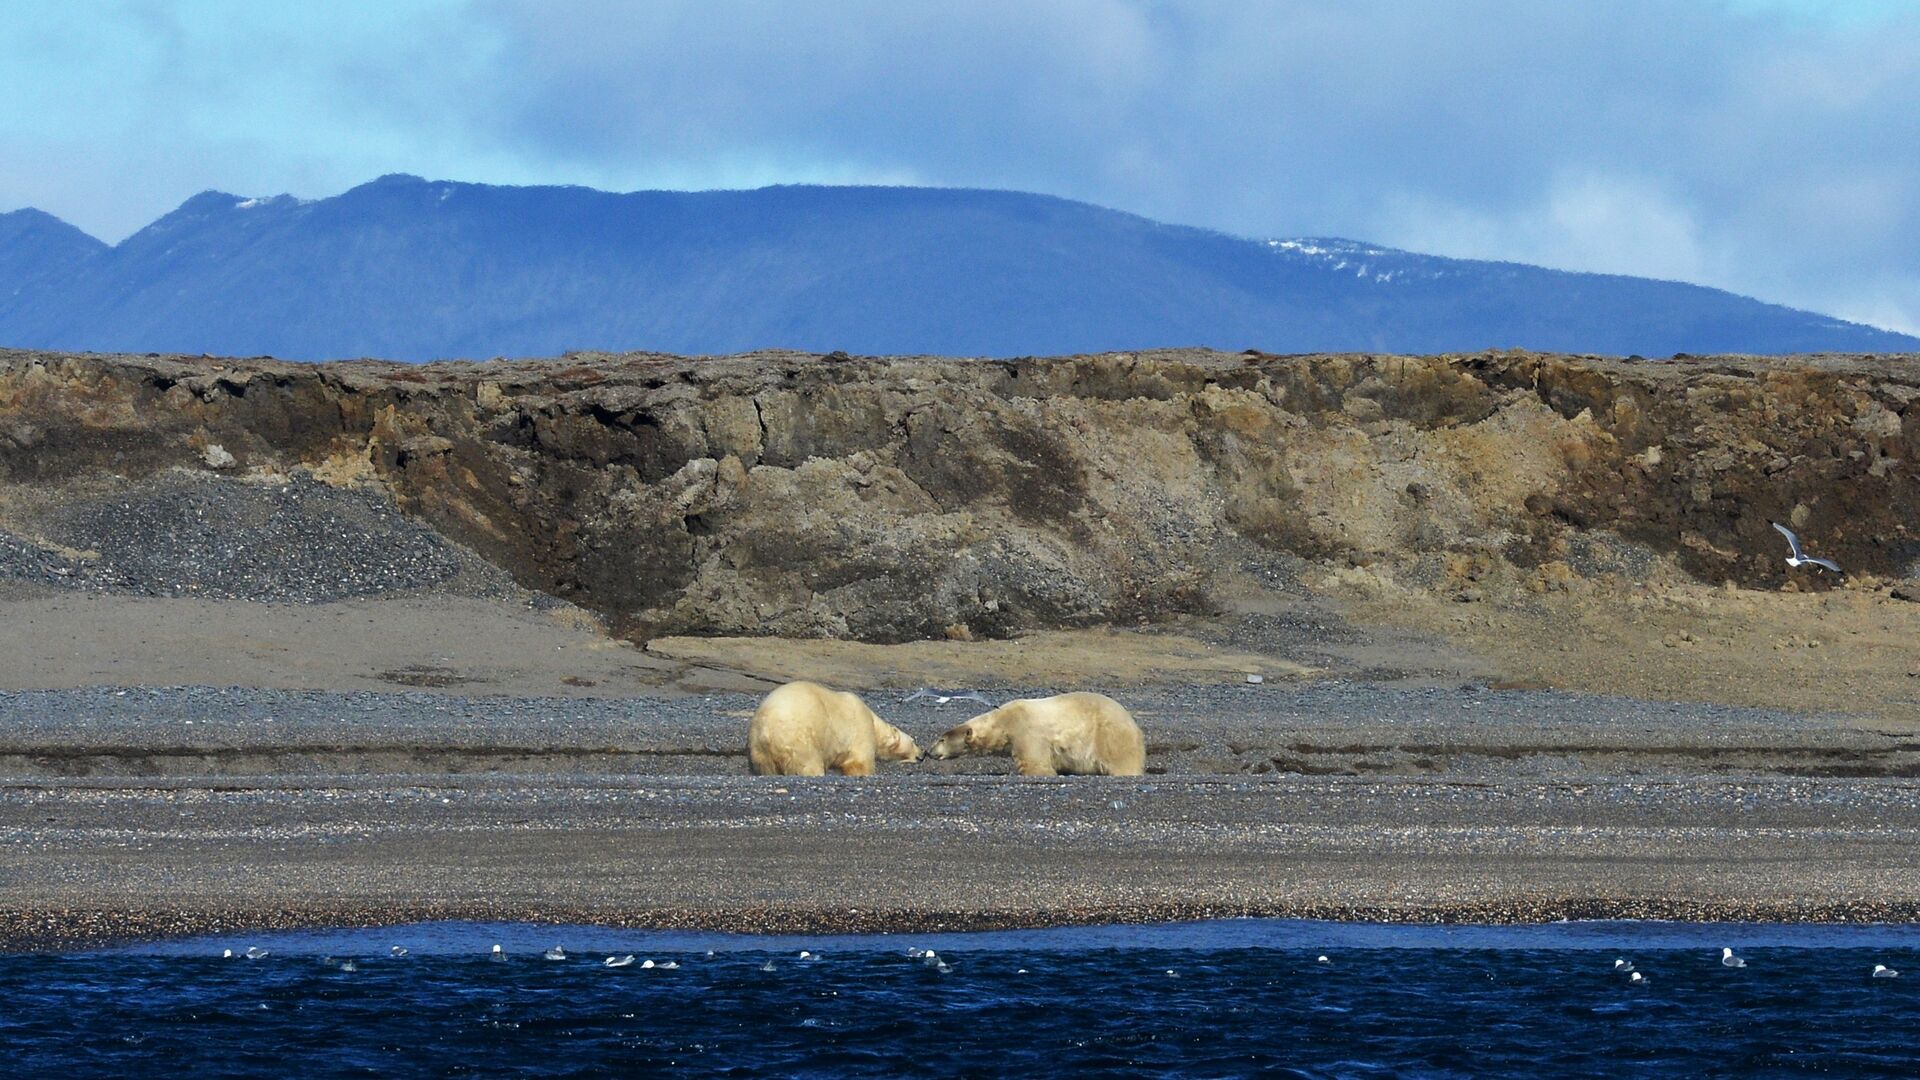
x: 1767, y: 146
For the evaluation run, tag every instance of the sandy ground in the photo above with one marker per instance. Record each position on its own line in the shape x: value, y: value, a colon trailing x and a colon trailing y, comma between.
x: 1852, y: 649
x: 460, y: 644
x: 1057, y: 657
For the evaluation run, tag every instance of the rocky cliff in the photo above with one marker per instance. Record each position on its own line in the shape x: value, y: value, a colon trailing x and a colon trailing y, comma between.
x: 897, y: 498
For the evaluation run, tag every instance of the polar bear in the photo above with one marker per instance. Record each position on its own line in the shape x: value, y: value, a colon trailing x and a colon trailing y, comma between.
x: 804, y: 729
x: 1071, y: 734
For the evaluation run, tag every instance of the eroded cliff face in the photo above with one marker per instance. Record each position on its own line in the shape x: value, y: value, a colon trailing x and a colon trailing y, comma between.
x: 891, y: 499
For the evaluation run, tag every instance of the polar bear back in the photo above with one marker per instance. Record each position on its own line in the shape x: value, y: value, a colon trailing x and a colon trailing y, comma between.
x: 804, y: 729
x: 1082, y: 734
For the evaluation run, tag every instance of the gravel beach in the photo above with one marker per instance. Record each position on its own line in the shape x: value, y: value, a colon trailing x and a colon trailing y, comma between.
x: 133, y: 813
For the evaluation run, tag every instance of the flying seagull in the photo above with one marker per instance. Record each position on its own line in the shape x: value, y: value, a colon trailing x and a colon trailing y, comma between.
x: 941, y: 697
x: 1798, y: 557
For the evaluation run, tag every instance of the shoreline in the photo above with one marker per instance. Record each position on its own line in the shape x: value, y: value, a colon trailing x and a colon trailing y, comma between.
x: 98, y: 861
x: 74, y: 932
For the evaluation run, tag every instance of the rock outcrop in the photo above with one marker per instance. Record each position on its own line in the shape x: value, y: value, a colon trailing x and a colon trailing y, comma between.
x: 897, y: 498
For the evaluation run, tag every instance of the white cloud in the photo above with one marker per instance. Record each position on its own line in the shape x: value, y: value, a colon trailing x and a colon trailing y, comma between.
x: 1589, y: 222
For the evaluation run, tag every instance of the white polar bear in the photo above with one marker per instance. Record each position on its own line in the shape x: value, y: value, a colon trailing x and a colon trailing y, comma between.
x: 804, y: 729
x: 1069, y: 734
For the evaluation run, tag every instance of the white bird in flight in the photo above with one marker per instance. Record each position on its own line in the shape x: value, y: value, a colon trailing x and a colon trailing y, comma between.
x: 1727, y: 959
x: 942, y: 697
x: 1797, y: 557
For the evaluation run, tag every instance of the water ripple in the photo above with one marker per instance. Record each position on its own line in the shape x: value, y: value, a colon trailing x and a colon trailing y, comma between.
x: 1090, y: 1003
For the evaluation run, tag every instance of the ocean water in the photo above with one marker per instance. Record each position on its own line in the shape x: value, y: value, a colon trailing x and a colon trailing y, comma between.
x: 1234, y: 998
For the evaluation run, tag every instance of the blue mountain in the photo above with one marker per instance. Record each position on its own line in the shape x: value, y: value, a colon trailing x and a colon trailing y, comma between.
x: 35, y: 247
x: 413, y: 269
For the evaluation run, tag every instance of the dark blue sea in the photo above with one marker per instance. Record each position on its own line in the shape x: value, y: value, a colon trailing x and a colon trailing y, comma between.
x: 1236, y: 998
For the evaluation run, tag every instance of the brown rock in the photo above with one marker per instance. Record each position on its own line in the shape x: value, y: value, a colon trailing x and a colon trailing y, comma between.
x: 897, y: 498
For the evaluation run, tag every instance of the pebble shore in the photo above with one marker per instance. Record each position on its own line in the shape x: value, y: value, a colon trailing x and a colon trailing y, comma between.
x: 141, y: 813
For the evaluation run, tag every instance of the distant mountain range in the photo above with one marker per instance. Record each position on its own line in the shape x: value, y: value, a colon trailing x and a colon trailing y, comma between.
x: 411, y: 269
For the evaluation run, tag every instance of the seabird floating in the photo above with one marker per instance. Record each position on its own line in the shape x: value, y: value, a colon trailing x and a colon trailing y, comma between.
x: 1727, y: 959
x: 397, y: 951
x: 498, y: 954
x: 1882, y: 971
x: 618, y: 961
x: 1623, y: 966
x: 256, y: 954
x: 768, y: 966
x: 1636, y: 977
x: 1797, y: 557
x: 555, y: 953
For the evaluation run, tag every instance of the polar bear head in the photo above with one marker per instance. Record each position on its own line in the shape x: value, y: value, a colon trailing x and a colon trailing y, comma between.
x: 892, y: 744
x: 982, y: 733
x: 953, y: 743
